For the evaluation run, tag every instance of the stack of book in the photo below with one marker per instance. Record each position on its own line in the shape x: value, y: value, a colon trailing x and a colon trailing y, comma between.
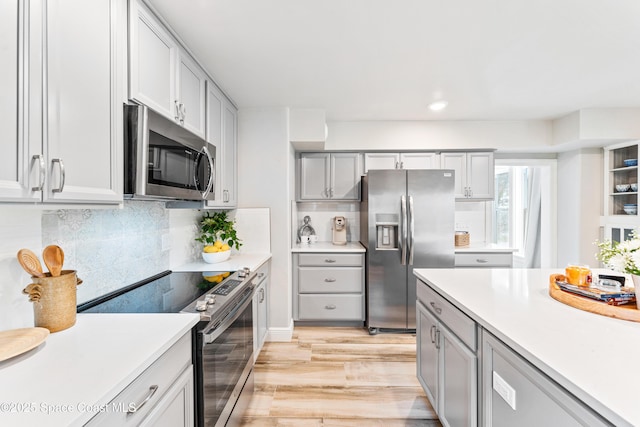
x: 619, y: 296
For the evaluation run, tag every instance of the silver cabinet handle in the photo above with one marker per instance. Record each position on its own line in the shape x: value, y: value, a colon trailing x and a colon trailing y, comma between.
x: 329, y: 280
x: 42, y: 170
x: 401, y: 165
x: 212, y: 172
x: 183, y: 113
x: 397, y: 165
x: 435, y: 307
x: 262, y: 295
x: 432, y: 334
x: 177, y: 105
x: 470, y: 192
x: 482, y: 261
x: 325, y: 193
x: 329, y: 260
x: 225, y: 196
x: 331, y: 193
x: 437, y: 338
x: 137, y: 406
x: 330, y: 307
x: 62, y: 175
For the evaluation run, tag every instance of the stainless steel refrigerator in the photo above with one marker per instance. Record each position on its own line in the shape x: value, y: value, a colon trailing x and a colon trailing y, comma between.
x: 406, y: 222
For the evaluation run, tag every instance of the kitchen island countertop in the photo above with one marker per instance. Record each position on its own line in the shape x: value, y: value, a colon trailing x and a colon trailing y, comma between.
x: 75, y: 372
x: 350, y: 247
x: 594, y: 357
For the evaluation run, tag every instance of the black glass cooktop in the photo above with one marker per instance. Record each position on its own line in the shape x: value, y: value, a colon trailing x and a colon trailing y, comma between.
x: 167, y: 292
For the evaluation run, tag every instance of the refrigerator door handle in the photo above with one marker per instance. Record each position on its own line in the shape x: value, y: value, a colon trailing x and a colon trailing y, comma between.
x: 403, y: 242
x: 411, y: 230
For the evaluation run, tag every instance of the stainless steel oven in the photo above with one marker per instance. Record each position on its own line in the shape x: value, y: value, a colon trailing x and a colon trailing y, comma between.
x: 223, y: 339
x: 163, y: 160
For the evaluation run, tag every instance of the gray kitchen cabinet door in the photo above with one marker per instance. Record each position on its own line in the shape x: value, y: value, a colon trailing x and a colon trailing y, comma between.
x: 215, y: 99
x: 229, y: 155
x: 345, y: 176
x: 84, y: 75
x: 517, y: 394
x: 314, y: 176
x: 457, y: 162
x: 14, y: 164
x: 191, y: 94
x: 153, y: 55
x: 428, y: 353
x: 419, y: 161
x: 480, y: 175
x: 381, y: 161
x: 458, y: 383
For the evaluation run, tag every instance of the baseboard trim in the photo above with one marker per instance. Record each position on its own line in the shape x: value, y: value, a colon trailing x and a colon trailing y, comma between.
x: 280, y: 334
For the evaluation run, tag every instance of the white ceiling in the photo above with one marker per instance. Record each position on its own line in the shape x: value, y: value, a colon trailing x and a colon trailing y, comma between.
x: 388, y: 59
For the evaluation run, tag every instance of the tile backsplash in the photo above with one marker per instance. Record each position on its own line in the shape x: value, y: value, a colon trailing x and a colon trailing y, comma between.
x: 110, y: 248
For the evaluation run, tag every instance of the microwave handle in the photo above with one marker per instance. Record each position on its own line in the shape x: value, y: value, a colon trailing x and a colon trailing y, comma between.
x: 212, y: 168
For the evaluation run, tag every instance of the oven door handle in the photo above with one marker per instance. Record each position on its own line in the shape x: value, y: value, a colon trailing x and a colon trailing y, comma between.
x: 212, y: 334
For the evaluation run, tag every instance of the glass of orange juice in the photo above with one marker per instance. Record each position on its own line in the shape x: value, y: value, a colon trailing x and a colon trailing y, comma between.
x: 577, y: 275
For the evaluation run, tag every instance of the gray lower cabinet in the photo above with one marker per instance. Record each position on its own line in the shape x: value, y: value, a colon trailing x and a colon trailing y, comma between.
x: 447, y: 362
x: 515, y: 393
x: 328, y: 286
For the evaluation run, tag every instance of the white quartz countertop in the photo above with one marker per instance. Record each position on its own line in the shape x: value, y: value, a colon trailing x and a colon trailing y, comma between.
x: 236, y: 262
x: 593, y: 356
x: 353, y: 247
x: 484, y: 248
x: 62, y: 381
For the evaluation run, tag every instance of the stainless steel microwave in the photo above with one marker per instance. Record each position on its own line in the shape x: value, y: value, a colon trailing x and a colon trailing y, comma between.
x: 163, y: 160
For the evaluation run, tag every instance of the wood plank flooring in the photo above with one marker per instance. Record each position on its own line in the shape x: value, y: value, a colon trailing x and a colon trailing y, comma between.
x: 339, y: 376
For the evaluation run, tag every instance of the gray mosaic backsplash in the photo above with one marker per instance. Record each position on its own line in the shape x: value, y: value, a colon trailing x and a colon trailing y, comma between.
x: 110, y: 248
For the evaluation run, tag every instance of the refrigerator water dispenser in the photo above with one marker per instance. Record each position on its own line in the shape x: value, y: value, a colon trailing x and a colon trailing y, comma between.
x: 386, y: 236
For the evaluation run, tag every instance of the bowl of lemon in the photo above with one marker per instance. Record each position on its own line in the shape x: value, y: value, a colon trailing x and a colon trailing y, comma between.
x: 217, y: 252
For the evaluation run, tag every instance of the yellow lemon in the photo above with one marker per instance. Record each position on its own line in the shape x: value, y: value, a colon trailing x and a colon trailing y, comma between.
x: 225, y: 247
x: 209, y: 249
x: 225, y: 274
x: 218, y: 278
x: 218, y: 243
x: 210, y: 278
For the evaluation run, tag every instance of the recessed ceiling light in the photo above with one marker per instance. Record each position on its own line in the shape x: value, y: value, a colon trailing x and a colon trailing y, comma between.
x: 438, y: 105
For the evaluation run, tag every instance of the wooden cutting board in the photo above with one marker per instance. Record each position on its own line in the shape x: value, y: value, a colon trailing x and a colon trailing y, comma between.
x: 625, y: 312
x: 17, y: 341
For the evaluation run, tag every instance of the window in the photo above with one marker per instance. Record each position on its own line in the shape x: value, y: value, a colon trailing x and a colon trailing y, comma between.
x: 511, y: 204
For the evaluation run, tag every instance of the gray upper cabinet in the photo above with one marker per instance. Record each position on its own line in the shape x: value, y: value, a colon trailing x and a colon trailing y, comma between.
x: 417, y: 160
x: 161, y: 74
x: 329, y: 176
x: 474, y: 174
x: 66, y: 146
x: 222, y: 132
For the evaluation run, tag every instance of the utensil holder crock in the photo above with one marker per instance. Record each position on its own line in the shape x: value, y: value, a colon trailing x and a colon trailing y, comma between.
x: 54, y: 300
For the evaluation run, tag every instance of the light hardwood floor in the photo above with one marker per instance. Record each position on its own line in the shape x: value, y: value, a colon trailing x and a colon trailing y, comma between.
x: 334, y: 376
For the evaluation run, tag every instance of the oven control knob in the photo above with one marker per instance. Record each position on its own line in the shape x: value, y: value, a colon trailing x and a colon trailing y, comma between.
x: 210, y: 299
x: 243, y: 272
x: 201, y: 305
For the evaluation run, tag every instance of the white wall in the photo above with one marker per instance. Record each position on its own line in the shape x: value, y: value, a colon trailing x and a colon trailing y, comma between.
x: 265, y: 179
x: 579, y: 205
x: 434, y: 135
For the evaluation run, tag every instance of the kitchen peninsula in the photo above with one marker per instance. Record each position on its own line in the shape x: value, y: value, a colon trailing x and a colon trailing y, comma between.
x: 527, y: 353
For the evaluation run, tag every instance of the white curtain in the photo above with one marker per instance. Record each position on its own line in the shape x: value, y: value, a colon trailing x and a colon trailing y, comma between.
x: 532, y: 221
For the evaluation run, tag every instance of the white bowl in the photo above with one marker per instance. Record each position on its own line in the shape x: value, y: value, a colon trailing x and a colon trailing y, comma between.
x: 214, y: 257
x: 622, y: 187
x: 634, y: 187
x: 631, y: 211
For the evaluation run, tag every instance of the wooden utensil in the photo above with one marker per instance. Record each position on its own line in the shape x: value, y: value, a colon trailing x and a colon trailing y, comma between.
x: 53, y: 257
x: 30, y: 262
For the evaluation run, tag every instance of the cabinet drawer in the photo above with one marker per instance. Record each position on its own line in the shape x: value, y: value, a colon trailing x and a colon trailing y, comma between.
x: 330, y: 280
x: 480, y: 259
x: 162, y: 373
x: 458, y: 322
x: 330, y: 307
x: 331, y: 260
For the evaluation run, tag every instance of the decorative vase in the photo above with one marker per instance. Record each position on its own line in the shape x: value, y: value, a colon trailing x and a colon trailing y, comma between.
x: 636, y: 285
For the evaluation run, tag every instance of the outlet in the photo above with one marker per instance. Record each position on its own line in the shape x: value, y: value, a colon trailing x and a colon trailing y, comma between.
x: 166, y: 242
x: 505, y: 391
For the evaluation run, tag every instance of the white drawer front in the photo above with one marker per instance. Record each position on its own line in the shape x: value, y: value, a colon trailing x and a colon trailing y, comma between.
x: 480, y: 259
x: 161, y: 374
x: 458, y: 322
x: 330, y: 307
x: 330, y: 280
x: 331, y: 260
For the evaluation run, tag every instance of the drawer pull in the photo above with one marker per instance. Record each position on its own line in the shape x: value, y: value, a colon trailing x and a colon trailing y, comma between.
x: 482, y: 261
x: 329, y: 260
x: 432, y: 334
x: 329, y: 280
x: 435, y: 307
x: 137, y: 406
x: 330, y: 307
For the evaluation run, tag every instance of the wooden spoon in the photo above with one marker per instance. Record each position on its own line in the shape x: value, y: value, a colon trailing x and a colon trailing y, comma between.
x: 53, y: 257
x: 30, y: 262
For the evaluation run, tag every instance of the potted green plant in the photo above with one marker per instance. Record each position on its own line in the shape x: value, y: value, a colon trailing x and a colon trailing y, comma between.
x: 218, y: 234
